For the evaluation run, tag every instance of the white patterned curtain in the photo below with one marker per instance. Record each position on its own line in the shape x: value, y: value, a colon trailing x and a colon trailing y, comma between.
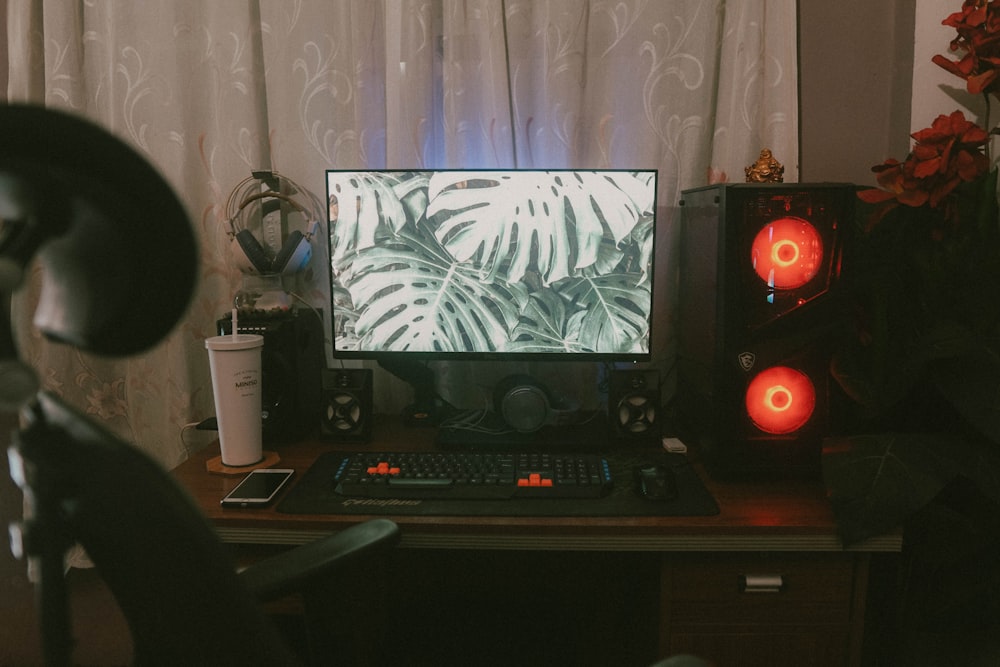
x: 209, y: 91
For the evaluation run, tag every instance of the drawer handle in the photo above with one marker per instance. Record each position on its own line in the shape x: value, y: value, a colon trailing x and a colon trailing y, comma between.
x: 761, y: 583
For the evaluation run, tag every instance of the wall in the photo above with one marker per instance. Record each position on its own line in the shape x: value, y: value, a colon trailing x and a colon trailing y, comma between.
x: 867, y: 81
x: 936, y: 91
x: 855, y: 63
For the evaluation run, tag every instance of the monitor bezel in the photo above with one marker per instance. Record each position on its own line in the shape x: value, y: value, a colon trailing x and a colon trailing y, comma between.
x: 434, y: 355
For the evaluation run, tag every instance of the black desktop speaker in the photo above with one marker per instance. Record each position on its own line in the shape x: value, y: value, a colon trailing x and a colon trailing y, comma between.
x: 759, y: 309
x: 634, y: 405
x: 291, y: 362
x: 347, y: 412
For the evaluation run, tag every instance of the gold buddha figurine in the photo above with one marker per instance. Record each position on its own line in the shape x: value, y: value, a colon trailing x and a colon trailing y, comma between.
x: 766, y: 169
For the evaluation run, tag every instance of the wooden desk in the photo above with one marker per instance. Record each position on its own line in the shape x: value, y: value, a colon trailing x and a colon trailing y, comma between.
x: 767, y: 529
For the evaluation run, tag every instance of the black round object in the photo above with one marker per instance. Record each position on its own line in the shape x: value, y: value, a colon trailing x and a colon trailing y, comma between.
x: 120, y: 258
x: 523, y: 402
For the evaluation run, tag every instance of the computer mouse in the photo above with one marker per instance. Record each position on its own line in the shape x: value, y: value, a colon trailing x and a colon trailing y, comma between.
x: 655, y: 482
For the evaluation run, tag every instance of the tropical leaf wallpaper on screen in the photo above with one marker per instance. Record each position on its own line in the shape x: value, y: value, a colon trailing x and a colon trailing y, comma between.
x: 500, y: 261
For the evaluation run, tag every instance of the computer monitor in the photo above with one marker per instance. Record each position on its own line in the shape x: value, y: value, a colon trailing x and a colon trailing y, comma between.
x: 500, y: 264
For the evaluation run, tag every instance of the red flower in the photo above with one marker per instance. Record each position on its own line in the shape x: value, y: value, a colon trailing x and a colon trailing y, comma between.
x: 947, y: 153
x: 978, y: 27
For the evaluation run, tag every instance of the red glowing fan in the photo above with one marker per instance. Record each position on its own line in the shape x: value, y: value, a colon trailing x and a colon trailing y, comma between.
x: 787, y: 253
x: 780, y: 400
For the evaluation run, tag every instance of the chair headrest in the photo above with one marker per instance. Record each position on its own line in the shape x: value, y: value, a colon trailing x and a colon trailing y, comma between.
x: 119, y: 256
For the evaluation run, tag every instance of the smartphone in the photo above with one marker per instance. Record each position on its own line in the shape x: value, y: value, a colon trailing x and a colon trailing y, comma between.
x: 258, y: 488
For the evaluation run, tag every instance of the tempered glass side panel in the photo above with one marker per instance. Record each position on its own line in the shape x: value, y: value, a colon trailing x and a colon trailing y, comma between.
x: 812, y: 216
x: 701, y: 289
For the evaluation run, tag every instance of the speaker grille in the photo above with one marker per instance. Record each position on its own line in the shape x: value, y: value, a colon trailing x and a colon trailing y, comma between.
x: 636, y: 414
x: 633, y: 404
x: 344, y: 412
x: 347, y: 404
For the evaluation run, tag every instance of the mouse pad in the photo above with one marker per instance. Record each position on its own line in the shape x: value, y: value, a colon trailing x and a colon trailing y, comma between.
x: 314, y: 494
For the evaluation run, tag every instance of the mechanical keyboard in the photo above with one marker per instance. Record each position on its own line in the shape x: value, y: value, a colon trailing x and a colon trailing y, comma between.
x: 472, y: 475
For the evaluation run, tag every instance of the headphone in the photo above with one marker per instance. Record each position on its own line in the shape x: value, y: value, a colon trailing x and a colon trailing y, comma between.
x: 527, y: 405
x: 247, y: 252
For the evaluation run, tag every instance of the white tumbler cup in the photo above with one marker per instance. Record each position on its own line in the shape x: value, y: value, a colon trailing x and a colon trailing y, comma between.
x: 235, y: 365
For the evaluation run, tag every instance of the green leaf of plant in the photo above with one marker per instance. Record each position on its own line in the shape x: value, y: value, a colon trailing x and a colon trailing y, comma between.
x: 367, y: 204
x: 876, y: 482
x: 610, y: 316
x: 507, y: 223
x: 971, y: 383
x: 542, y: 327
x: 410, y: 296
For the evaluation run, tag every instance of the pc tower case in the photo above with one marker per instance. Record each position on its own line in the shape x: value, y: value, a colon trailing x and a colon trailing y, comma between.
x: 292, y: 361
x: 759, y: 309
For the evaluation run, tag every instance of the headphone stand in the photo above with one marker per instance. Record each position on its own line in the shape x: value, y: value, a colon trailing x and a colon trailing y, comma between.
x: 264, y: 292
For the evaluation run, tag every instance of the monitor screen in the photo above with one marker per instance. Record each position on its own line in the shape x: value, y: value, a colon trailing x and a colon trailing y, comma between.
x: 492, y: 264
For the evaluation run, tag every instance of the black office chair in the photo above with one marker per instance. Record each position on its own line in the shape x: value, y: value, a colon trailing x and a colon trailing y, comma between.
x: 177, y: 586
x: 120, y: 263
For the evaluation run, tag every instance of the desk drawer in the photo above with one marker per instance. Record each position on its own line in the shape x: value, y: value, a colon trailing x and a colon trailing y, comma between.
x: 760, y: 610
x: 759, y: 588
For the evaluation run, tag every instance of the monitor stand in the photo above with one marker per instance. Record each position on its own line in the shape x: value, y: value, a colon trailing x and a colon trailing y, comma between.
x: 486, y: 430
